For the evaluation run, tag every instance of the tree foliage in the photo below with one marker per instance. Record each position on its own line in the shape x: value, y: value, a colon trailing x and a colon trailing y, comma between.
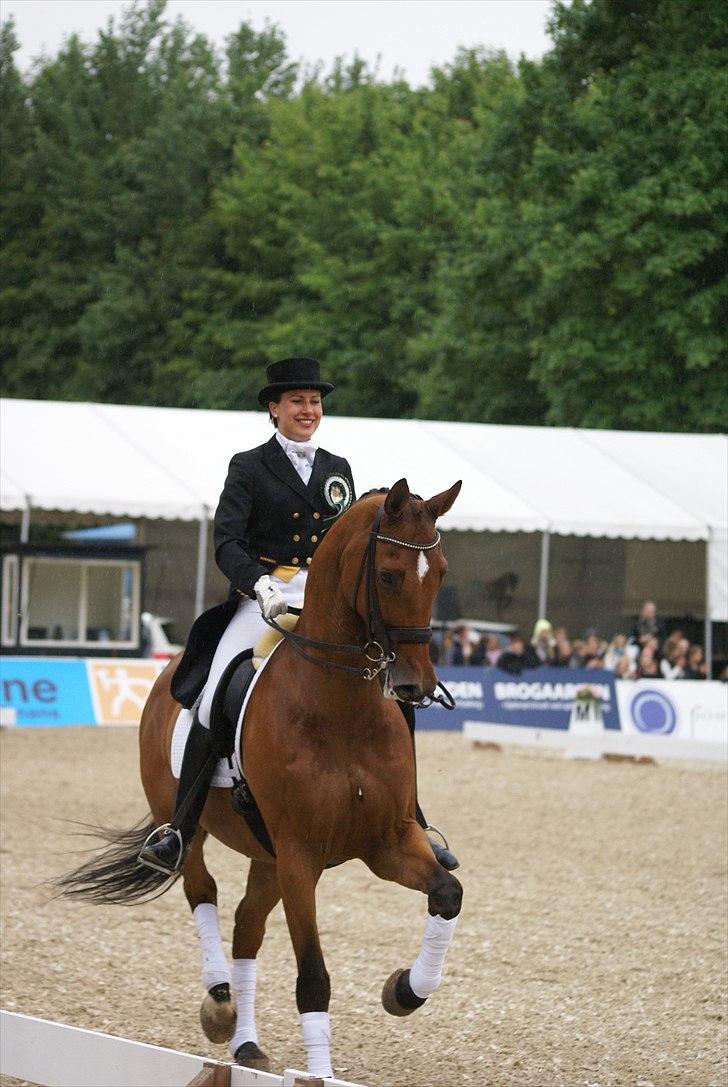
x: 541, y: 242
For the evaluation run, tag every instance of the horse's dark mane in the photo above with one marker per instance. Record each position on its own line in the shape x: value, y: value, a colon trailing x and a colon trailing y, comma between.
x: 384, y: 490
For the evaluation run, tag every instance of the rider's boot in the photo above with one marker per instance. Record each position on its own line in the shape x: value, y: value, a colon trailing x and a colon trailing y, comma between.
x: 198, y: 765
x: 443, y: 854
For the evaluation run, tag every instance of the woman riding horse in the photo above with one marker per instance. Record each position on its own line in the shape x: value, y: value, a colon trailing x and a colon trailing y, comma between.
x: 278, y: 502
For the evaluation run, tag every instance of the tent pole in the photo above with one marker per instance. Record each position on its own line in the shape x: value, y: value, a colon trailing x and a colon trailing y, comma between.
x: 543, y: 583
x: 201, y: 562
x: 25, y: 523
x: 708, y: 635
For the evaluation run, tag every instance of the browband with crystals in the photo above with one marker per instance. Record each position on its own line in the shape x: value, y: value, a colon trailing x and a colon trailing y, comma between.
x: 412, y: 546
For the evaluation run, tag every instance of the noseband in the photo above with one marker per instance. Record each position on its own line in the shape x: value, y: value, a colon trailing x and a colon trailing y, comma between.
x: 380, y: 638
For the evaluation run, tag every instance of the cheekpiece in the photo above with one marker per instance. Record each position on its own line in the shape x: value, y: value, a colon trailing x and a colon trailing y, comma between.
x: 296, y: 373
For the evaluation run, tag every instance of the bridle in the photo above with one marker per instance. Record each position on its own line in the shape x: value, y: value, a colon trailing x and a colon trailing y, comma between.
x: 379, y: 647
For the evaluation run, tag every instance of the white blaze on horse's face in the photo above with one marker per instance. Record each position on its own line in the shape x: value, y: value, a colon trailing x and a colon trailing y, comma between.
x: 422, y: 565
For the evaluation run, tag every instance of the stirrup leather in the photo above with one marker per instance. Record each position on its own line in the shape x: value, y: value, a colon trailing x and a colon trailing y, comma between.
x: 157, y: 834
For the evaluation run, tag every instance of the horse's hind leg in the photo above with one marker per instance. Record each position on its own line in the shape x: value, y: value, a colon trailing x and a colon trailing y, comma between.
x: 413, y: 865
x: 217, y: 1014
x: 262, y: 893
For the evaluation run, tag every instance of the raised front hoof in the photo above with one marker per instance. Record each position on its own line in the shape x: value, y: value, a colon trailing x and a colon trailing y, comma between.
x: 397, y: 996
x: 218, y: 1015
x: 252, y: 1056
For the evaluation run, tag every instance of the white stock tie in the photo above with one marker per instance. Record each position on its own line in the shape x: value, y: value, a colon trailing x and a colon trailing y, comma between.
x: 301, y: 456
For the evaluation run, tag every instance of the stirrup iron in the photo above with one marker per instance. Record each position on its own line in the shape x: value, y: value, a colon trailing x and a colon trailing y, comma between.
x: 157, y: 834
x: 439, y: 834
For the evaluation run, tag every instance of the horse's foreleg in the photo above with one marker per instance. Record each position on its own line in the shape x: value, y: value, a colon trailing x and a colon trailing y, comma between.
x: 262, y: 893
x: 217, y: 1014
x: 413, y: 865
x: 298, y: 875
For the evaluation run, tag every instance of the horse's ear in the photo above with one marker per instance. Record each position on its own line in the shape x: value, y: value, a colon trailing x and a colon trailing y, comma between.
x: 396, y: 498
x: 441, y: 503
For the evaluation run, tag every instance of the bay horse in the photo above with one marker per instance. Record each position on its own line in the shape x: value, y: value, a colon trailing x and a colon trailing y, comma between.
x: 329, y: 759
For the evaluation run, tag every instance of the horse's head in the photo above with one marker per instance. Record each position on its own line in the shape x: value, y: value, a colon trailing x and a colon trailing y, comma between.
x: 399, y: 573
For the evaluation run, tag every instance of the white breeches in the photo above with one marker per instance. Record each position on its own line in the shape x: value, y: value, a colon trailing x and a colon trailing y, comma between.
x: 242, y: 632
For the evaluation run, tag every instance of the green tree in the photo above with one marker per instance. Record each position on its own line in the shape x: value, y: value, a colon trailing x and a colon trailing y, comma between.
x: 626, y: 215
x: 20, y: 215
x: 129, y: 136
x: 476, y: 348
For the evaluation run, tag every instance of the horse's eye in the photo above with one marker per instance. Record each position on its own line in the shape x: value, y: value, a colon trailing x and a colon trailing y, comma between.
x: 387, y: 578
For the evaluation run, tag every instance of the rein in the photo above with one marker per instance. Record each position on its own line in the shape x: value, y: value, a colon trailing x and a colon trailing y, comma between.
x: 378, y: 647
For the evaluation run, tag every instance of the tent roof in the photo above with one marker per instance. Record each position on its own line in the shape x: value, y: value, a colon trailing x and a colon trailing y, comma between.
x: 171, y: 462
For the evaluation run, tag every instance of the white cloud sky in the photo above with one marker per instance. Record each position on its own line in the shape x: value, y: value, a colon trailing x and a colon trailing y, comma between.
x: 409, y: 34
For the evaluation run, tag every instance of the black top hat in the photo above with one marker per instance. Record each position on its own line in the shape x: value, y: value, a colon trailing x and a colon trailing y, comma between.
x: 292, y: 374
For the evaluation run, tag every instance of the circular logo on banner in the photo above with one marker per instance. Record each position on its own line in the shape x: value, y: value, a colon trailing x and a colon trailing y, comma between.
x: 337, y: 492
x: 652, y: 711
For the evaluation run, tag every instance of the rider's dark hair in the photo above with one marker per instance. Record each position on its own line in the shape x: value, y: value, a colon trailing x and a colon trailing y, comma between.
x: 275, y: 400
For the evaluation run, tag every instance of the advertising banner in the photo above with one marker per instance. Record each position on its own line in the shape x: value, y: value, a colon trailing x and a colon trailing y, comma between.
x: 45, y: 691
x: 538, y: 698
x: 119, y: 688
x: 679, y: 709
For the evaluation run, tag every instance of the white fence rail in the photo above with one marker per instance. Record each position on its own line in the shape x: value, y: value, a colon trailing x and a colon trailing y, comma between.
x: 607, y: 742
x: 58, y: 1055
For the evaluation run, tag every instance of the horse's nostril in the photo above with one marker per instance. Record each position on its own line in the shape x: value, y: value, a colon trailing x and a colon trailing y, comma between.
x: 408, y: 692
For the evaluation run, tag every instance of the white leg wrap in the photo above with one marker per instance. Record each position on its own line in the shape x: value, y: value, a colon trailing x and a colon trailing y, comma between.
x: 317, y: 1036
x: 244, y: 975
x: 215, y: 968
x: 426, y: 970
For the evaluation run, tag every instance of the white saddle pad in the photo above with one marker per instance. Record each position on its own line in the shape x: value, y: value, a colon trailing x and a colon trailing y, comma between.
x: 223, y: 775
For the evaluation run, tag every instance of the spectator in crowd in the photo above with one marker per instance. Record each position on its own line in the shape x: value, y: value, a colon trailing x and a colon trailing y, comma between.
x: 462, y: 646
x: 543, y: 641
x: 477, y: 657
x: 518, y: 656
x: 564, y: 656
x: 647, y: 626
x: 696, y: 668
x: 492, y: 649
x: 674, y: 665
x: 616, y: 652
x: 649, y: 667
x: 591, y: 651
x: 674, y: 642
x: 624, y: 668
x: 466, y: 649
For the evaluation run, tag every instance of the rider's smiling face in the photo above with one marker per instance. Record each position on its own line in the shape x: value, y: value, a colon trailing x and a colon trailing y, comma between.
x: 298, y: 413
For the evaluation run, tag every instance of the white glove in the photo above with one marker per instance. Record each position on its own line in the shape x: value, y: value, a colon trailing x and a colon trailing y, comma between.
x: 271, y: 600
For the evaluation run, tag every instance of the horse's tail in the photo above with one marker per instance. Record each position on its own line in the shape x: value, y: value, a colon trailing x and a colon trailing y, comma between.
x: 114, y: 875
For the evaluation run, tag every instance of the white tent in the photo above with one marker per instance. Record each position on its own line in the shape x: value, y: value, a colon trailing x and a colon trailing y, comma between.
x: 170, y: 463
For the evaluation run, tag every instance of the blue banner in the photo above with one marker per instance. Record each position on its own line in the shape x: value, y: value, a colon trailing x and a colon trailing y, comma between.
x: 45, y: 691
x: 537, y: 698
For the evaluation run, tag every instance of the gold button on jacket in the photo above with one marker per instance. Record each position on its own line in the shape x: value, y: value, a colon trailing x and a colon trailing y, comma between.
x: 296, y: 537
x: 314, y: 539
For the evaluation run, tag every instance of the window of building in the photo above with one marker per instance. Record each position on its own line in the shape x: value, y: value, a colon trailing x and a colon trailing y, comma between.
x: 79, y: 602
x: 10, y: 601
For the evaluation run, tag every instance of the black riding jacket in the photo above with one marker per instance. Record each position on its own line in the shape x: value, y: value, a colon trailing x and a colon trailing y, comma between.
x: 267, y: 515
